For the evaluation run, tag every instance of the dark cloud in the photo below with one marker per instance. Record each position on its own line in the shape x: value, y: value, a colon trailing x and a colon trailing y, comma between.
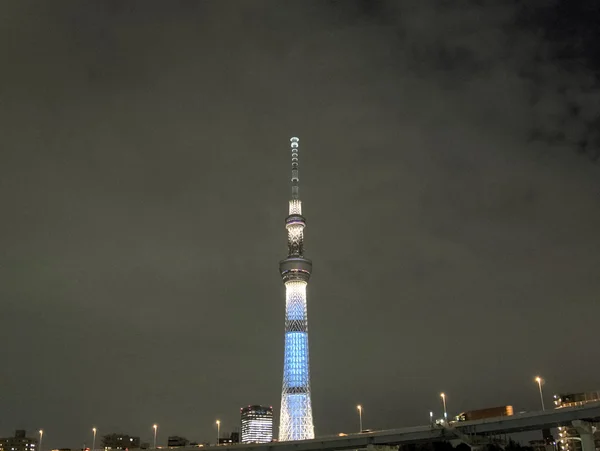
x: 451, y: 220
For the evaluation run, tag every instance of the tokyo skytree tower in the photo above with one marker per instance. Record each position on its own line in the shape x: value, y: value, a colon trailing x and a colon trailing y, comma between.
x: 296, y: 420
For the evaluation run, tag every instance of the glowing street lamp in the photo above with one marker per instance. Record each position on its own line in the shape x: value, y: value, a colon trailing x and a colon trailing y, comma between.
x: 431, y: 417
x: 540, y: 381
x: 218, y: 431
x: 359, y: 407
x: 94, y: 430
x: 41, y: 436
x: 444, y: 404
x: 155, y: 427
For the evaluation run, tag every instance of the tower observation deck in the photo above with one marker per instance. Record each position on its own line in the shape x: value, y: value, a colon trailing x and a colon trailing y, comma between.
x: 296, y: 420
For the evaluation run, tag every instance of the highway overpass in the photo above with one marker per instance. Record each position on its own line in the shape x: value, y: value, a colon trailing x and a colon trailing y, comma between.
x: 583, y: 417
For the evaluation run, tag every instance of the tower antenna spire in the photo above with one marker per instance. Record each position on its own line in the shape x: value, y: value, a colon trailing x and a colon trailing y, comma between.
x: 295, y: 177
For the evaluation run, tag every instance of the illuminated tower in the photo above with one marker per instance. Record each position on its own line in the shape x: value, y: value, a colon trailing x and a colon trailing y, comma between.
x: 296, y: 420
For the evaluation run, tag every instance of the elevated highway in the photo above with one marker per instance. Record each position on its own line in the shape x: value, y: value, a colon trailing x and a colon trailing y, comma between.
x: 582, y: 417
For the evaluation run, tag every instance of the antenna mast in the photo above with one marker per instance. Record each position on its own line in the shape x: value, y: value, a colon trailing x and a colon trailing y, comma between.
x: 295, y: 178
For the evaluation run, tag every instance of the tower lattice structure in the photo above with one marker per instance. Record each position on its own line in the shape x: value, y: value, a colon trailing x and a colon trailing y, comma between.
x: 296, y: 419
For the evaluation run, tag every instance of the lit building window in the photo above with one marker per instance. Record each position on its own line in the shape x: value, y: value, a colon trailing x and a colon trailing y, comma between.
x: 257, y: 424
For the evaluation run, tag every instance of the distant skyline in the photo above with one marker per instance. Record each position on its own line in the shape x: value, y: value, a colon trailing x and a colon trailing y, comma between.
x: 450, y: 185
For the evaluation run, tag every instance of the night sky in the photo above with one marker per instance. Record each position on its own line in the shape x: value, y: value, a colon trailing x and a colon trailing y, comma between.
x: 448, y: 175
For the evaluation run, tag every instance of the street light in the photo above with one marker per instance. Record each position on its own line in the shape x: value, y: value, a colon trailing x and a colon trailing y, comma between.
x: 359, y: 407
x: 155, y: 427
x: 444, y: 404
x: 431, y: 417
x: 94, y: 440
x: 41, y: 436
x: 540, y: 381
x: 218, y: 431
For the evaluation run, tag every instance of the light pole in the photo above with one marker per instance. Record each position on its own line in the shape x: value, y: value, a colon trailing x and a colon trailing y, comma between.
x: 218, y: 431
x: 359, y: 407
x: 155, y: 427
x: 431, y: 418
x: 41, y: 436
x: 444, y: 404
x: 94, y: 440
x: 540, y: 381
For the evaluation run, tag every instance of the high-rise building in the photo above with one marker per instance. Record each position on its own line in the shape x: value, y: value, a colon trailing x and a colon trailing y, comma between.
x: 20, y: 442
x: 568, y: 437
x: 296, y: 419
x: 257, y: 424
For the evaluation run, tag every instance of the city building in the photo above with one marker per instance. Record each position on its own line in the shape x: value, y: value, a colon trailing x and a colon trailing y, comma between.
x: 296, y: 419
x: 174, y: 441
x: 257, y: 424
x: 20, y: 442
x: 568, y: 437
x: 547, y: 442
x: 120, y: 441
x: 233, y: 438
x: 538, y: 445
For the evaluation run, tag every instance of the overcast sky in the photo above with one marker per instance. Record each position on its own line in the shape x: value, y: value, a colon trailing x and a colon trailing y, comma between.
x: 448, y: 179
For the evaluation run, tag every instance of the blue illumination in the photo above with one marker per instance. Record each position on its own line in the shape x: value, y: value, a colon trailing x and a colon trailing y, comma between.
x: 295, y: 360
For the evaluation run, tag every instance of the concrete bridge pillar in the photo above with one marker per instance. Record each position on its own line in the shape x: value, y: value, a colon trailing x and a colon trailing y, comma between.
x: 586, y: 433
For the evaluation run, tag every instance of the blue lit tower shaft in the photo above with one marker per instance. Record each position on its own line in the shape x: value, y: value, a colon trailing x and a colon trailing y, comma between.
x: 296, y: 421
